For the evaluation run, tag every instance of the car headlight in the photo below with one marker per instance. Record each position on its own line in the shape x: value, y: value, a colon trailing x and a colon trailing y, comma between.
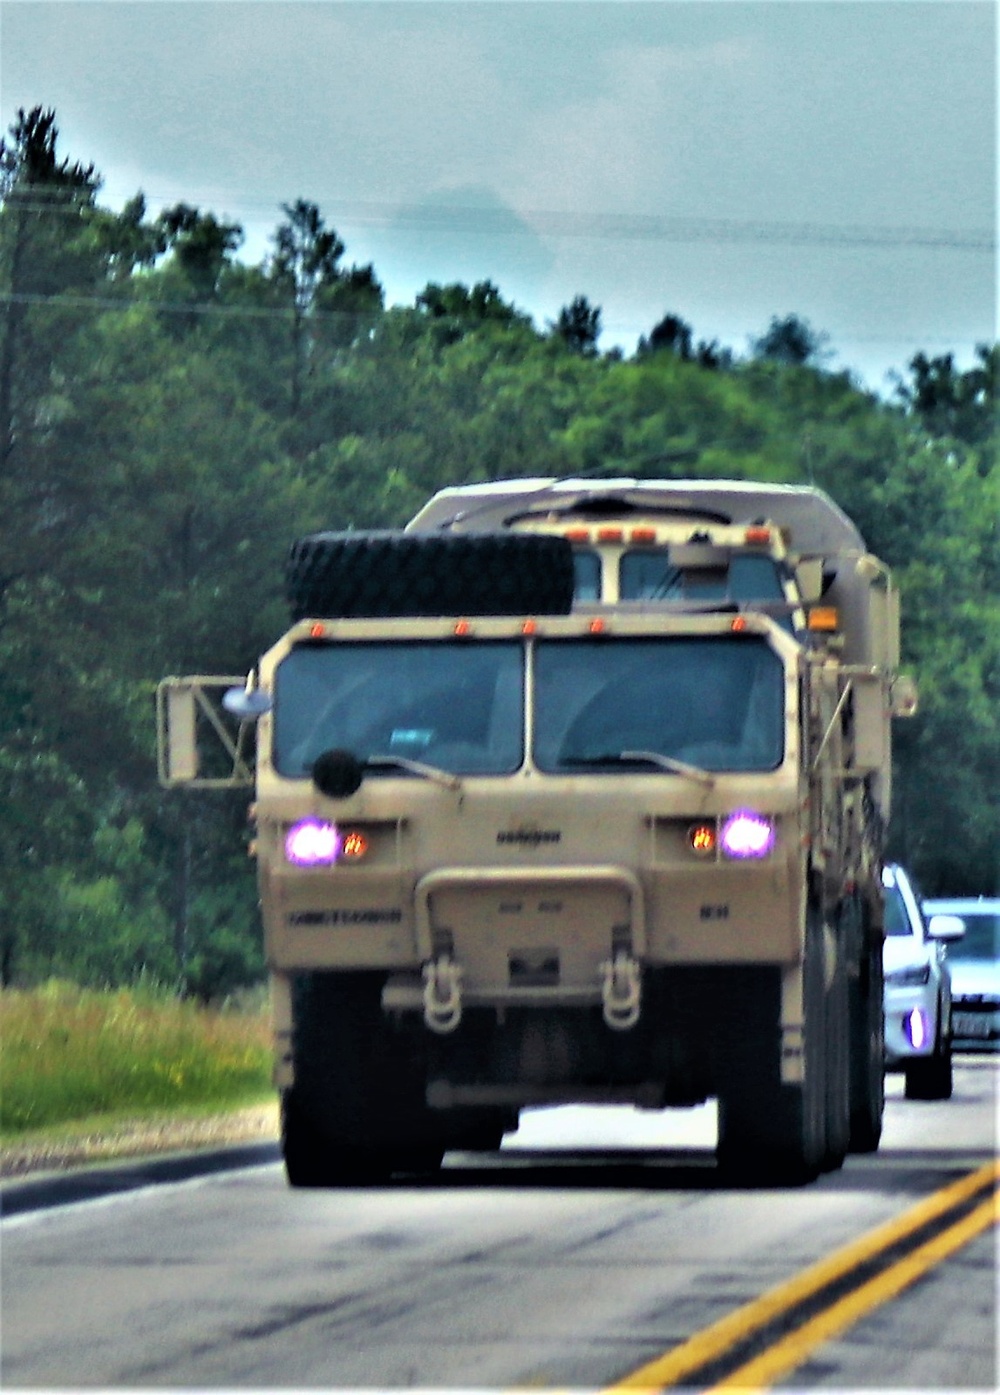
x: 912, y: 977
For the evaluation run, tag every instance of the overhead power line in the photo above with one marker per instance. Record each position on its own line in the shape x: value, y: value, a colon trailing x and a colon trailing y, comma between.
x: 625, y: 227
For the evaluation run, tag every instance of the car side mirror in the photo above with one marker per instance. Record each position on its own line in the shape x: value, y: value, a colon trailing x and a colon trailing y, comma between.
x: 946, y: 927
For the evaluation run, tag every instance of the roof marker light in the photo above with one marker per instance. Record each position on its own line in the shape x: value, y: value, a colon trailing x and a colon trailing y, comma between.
x: 757, y: 535
x: 578, y: 534
x: 609, y: 535
x: 317, y: 631
x: 597, y: 626
x: 643, y: 535
x: 463, y: 627
x: 529, y: 627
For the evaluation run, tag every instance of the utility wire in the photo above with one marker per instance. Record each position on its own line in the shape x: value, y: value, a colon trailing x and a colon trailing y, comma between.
x: 503, y: 222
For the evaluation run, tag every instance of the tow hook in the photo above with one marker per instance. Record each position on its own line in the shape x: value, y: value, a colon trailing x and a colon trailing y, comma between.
x: 442, y: 995
x: 621, y: 991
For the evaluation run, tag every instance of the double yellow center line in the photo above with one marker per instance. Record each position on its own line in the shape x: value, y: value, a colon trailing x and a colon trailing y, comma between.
x: 763, y: 1341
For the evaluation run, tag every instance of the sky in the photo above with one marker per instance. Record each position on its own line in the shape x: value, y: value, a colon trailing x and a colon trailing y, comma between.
x: 724, y: 160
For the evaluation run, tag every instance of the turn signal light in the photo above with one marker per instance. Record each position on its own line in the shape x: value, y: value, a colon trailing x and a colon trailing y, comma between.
x: 702, y: 839
x: 824, y: 618
x: 355, y: 845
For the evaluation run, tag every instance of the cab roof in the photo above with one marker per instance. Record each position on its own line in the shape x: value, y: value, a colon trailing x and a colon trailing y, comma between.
x: 815, y: 525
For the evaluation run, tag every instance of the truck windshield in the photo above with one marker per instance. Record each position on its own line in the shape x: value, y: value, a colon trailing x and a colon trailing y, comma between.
x: 457, y: 706
x: 716, y: 703
x: 647, y: 574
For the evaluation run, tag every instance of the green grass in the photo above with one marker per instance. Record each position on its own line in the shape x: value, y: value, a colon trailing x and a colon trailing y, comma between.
x: 69, y: 1053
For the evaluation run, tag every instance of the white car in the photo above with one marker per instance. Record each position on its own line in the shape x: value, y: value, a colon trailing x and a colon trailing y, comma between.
x: 917, y: 991
x: 974, y: 961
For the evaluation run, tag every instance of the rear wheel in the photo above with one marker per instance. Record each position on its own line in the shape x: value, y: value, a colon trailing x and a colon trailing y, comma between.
x: 867, y: 1052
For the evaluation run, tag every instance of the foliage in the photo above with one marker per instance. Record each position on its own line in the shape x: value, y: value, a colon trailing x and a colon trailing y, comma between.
x: 71, y: 1052
x: 170, y: 419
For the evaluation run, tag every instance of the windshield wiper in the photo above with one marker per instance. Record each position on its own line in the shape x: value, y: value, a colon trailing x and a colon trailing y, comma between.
x: 675, y: 767
x: 415, y: 767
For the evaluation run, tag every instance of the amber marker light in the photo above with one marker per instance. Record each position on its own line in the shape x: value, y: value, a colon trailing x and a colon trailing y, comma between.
x: 597, y: 626
x: 739, y: 624
x: 354, y: 846
x: 609, y: 535
x: 643, y: 535
x: 578, y: 534
x: 529, y: 627
x: 463, y: 628
x: 757, y: 535
x: 702, y: 838
x: 317, y: 631
x: 824, y: 618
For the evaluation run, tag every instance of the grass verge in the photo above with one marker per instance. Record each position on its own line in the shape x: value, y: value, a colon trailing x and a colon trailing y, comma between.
x: 70, y: 1055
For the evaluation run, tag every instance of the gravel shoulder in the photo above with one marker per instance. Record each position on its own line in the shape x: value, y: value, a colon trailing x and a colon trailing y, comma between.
x: 132, y: 1138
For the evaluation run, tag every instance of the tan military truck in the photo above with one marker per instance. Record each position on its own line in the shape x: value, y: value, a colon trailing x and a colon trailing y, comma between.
x: 570, y: 791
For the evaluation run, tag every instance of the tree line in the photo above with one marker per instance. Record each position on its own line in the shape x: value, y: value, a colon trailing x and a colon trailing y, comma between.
x: 171, y: 418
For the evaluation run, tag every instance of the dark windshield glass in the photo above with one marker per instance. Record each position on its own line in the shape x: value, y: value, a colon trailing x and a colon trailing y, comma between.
x: 646, y: 574
x: 586, y: 576
x: 981, y: 939
x: 897, y: 922
x: 717, y: 703
x: 456, y: 706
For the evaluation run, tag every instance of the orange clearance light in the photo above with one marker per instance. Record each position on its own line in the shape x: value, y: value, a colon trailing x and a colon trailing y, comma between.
x: 757, y: 535
x: 702, y: 838
x: 463, y: 628
x: 578, y: 534
x: 609, y: 535
x: 824, y: 618
x: 355, y: 845
x: 739, y: 624
x: 643, y: 535
x: 529, y: 627
x: 317, y: 631
x: 597, y: 626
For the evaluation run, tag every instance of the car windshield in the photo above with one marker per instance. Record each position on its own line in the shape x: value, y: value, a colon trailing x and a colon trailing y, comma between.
x: 981, y: 939
x: 714, y: 703
x: 456, y: 706
x: 897, y: 922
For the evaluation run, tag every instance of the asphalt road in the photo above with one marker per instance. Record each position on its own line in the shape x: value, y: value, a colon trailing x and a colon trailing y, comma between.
x: 593, y: 1244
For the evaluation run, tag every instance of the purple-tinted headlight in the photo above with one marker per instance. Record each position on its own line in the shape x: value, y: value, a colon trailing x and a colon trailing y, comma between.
x: 312, y: 843
x: 746, y: 834
x: 918, y: 1028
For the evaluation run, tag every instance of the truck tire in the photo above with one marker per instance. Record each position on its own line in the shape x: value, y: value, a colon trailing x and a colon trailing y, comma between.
x: 838, y: 1065
x: 386, y: 574
x: 356, y: 1112
x: 771, y: 1133
x: 930, y: 1077
x: 867, y: 1051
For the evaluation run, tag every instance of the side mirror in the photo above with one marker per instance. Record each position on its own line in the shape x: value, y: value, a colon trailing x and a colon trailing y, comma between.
x: 246, y: 703
x: 946, y: 927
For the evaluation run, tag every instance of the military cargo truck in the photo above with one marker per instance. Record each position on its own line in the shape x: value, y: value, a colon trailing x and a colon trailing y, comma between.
x: 570, y: 791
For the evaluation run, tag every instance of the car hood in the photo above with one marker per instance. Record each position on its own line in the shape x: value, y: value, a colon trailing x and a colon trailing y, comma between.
x: 973, y: 976
x: 900, y: 951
